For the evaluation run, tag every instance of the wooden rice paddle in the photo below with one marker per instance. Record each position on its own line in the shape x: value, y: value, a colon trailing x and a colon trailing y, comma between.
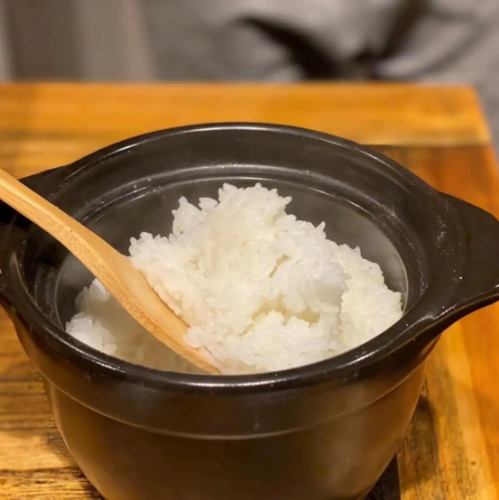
x: 127, y: 285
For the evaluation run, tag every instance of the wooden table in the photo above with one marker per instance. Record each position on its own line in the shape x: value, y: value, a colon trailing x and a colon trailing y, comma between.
x: 452, y: 449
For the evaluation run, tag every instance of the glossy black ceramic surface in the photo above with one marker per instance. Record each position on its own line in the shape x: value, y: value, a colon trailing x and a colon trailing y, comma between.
x: 321, y: 431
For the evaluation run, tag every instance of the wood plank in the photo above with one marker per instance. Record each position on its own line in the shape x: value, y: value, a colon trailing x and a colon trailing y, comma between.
x: 44, y: 125
x: 452, y: 450
x: 46, y: 484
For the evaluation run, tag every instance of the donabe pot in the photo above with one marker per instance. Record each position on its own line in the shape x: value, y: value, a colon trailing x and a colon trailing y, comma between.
x: 321, y: 431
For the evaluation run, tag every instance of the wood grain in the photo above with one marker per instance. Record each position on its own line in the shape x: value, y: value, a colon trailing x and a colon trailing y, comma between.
x: 452, y: 449
x: 51, y: 124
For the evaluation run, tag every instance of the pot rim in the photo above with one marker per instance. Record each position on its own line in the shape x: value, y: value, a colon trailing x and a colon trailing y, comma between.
x: 347, y: 365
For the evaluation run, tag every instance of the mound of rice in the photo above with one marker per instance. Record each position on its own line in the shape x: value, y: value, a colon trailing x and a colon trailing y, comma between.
x: 260, y: 289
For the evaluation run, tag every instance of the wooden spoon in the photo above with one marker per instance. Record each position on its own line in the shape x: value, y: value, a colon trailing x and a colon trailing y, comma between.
x: 114, y: 270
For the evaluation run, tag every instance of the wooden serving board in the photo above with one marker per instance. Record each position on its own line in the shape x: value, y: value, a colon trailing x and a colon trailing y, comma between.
x: 452, y: 448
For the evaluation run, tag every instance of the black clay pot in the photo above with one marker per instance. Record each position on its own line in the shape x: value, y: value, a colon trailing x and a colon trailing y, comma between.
x: 320, y: 431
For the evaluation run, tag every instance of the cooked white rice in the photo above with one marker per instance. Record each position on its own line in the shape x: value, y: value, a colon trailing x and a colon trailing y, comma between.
x: 260, y: 289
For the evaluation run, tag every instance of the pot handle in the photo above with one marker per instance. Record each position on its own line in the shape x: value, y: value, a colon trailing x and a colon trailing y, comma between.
x: 48, y: 181
x: 480, y: 278
x: 44, y: 183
